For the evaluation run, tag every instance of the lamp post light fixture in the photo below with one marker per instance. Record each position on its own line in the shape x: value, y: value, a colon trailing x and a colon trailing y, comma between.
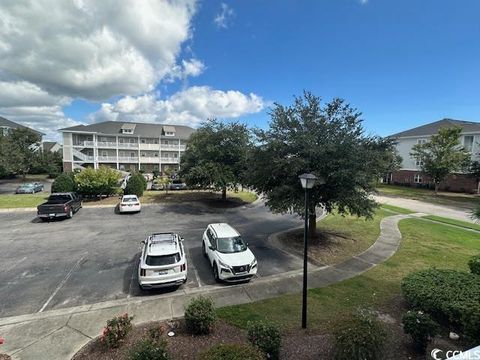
x: 307, y: 181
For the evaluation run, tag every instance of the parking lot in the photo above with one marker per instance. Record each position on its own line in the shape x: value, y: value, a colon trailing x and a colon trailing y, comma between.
x: 93, y: 257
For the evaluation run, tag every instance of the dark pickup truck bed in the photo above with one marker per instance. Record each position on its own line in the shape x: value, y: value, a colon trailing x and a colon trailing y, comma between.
x: 59, y: 205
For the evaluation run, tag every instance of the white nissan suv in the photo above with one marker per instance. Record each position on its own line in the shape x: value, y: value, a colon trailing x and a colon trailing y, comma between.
x: 163, y: 261
x: 228, y: 254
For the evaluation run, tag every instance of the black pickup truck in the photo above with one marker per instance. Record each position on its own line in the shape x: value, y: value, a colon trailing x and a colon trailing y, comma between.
x: 59, y: 205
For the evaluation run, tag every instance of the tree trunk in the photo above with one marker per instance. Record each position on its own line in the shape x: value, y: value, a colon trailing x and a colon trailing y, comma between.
x: 437, y: 185
x: 224, y: 193
x: 312, y: 225
x: 24, y: 176
x: 478, y: 188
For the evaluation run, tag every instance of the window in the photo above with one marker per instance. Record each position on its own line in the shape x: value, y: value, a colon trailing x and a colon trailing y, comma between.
x: 155, y: 141
x: 143, y: 141
x: 468, y: 142
x: 132, y: 141
x: 169, y: 133
x: 104, y: 139
x: 156, y: 154
x: 132, y: 154
x: 175, y: 155
x: 162, y: 259
x: 418, y: 163
x: 417, y: 179
x: 127, y: 131
x: 231, y: 245
x: 144, y: 154
x: 104, y: 153
x: 421, y: 141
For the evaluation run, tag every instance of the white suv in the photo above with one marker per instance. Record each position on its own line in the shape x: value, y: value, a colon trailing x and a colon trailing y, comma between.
x: 228, y: 254
x: 163, y: 261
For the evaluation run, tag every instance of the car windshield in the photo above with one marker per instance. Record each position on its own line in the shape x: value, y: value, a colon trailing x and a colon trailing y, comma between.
x: 161, y: 260
x: 130, y: 199
x: 25, y: 186
x: 231, y: 245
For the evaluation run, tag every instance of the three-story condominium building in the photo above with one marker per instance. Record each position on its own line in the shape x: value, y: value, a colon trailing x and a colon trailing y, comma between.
x: 410, y: 172
x: 124, y: 146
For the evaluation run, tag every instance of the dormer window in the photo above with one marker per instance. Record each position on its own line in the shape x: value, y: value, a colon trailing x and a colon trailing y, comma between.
x: 169, y: 130
x: 128, y: 128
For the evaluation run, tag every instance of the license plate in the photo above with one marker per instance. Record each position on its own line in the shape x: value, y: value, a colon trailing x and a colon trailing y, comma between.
x: 163, y: 272
x: 129, y: 205
x: 52, y: 215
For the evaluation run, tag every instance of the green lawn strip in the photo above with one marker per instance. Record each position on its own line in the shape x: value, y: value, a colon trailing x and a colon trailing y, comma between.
x: 346, y: 236
x: 397, y: 209
x: 426, y: 195
x: 459, y: 223
x: 424, y: 245
x: 11, y: 201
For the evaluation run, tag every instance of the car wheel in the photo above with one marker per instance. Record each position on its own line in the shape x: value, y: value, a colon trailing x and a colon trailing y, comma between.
x: 215, y: 273
x: 70, y: 213
x: 44, y: 219
x: 204, y: 251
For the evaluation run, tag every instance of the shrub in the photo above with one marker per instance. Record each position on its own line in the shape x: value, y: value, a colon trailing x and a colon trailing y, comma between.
x: 474, y: 265
x: 116, y: 330
x: 150, y: 349
x: 420, y: 327
x: 471, y: 324
x: 63, y: 183
x: 97, y: 182
x: 232, y: 352
x: 266, y: 337
x: 200, y: 315
x: 447, y: 295
x: 359, y: 338
x: 136, y: 184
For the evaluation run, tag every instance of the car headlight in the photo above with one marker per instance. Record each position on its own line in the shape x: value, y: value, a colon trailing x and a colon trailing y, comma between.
x: 222, y: 264
x: 253, y: 263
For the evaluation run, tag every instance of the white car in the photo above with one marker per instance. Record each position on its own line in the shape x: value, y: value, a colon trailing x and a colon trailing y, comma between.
x: 228, y: 254
x: 163, y: 261
x: 129, y: 203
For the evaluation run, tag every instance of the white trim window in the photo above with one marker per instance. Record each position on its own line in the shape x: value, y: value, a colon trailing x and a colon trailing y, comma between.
x: 417, y: 179
x: 421, y: 141
x: 169, y: 133
x: 418, y: 163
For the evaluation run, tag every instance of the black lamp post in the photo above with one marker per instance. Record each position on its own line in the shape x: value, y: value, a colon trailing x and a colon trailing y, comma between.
x: 308, y: 181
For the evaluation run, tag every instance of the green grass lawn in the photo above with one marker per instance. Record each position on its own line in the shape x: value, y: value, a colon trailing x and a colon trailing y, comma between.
x: 424, y: 245
x: 397, y: 209
x: 8, y: 201
x: 453, y: 222
x: 465, y: 201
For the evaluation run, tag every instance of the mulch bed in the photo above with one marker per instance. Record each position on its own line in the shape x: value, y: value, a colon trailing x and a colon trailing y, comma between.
x: 296, y: 344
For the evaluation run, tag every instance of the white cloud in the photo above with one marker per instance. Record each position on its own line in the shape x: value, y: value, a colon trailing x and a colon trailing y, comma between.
x: 188, y: 107
x: 224, y: 17
x: 92, y: 49
x: 188, y: 68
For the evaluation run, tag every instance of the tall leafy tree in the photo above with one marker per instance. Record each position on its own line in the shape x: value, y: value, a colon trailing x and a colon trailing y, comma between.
x: 47, y: 162
x: 474, y: 172
x: 442, y: 155
x: 18, y: 151
x: 328, y: 141
x: 216, y: 156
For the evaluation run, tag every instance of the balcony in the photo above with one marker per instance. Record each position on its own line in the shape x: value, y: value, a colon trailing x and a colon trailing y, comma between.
x: 149, y: 159
x: 107, y: 158
x: 155, y: 147
x: 128, y: 145
x: 170, y: 160
x: 127, y: 159
x: 84, y: 143
x: 84, y: 158
x: 106, y: 144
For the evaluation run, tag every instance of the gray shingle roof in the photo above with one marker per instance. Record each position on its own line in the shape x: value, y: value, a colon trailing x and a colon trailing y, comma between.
x: 141, y: 129
x: 8, y: 123
x: 432, y: 128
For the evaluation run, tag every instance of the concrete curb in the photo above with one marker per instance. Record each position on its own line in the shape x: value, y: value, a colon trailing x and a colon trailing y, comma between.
x: 60, y: 333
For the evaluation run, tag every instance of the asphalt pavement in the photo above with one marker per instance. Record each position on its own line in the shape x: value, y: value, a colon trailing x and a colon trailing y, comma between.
x: 93, y: 257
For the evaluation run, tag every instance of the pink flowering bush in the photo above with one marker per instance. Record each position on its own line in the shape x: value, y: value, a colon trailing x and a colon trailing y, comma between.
x: 116, y: 331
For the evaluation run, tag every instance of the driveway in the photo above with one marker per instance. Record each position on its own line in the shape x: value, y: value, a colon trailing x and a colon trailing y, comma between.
x: 93, y: 257
x: 423, y: 207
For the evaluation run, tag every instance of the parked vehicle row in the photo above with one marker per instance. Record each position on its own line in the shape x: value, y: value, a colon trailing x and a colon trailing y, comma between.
x: 29, y: 188
x: 174, y: 185
x: 163, y: 261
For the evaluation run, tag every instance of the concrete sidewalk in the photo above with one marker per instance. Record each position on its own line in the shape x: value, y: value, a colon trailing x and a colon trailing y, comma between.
x: 59, y: 334
x: 427, y: 208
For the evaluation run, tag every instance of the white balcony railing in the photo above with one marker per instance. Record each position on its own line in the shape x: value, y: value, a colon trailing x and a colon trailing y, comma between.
x: 170, y: 160
x: 127, y: 159
x: 108, y: 144
x: 85, y: 158
x: 149, y: 159
x: 149, y: 146
x: 169, y: 146
x: 107, y: 158
x: 128, y: 145
x: 84, y: 143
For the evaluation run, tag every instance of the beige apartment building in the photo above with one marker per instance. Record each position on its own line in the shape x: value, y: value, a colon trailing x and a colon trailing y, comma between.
x: 124, y: 146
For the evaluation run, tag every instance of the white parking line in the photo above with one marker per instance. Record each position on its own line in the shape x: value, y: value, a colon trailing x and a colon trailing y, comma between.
x: 65, y: 279
x: 197, y: 277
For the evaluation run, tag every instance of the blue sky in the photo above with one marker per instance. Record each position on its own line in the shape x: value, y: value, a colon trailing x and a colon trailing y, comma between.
x: 401, y: 63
